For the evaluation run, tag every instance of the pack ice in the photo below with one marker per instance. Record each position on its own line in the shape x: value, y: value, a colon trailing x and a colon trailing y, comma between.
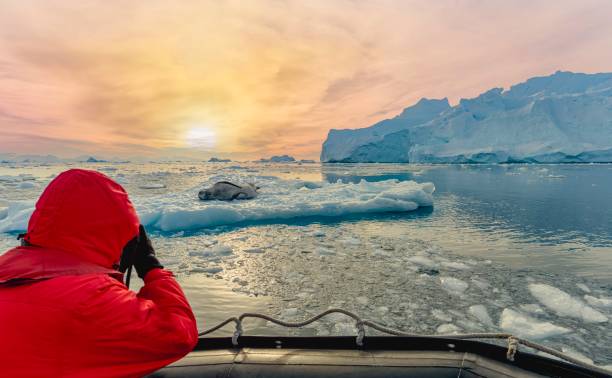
x: 564, y: 117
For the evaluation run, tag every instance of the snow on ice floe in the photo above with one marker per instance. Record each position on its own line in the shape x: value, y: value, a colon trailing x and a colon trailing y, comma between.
x: 564, y: 304
x: 527, y: 327
x: 279, y: 200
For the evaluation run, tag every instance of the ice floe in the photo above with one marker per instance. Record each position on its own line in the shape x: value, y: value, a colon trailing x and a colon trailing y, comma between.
x: 598, y: 302
x: 448, y: 328
x: 453, y: 285
x: 279, y: 200
x: 527, y: 327
x: 480, y: 312
x: 564, y: 304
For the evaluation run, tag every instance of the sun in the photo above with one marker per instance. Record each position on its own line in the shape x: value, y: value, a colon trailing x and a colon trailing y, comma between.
x: 202, y: 137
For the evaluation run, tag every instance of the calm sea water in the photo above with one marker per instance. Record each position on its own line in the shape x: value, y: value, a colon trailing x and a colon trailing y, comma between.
x: 498, y: 228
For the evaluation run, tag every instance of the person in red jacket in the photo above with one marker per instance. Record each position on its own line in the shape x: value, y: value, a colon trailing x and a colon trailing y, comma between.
x: 64, y: 310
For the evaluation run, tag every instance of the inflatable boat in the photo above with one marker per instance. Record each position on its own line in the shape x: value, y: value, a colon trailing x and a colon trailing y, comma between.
x: 400, y: 355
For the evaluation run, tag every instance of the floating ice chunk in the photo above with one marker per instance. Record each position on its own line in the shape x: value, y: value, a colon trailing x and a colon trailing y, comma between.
x: 253, y: 250
x: 308, y: 185
x: 455, y: 265
x: 221, y: 249
x: 152, y: 186
x: 16, y: 216
x: 564, y: 304
x: 362, y: 301
x: 480, y: 312
x: 344, y: 329
x: 482, y: 285
x: 289, y: 313
x: 441, y: 315
x: 598, y: 302
x: 325, y: 251
x: 448, y: 328
x: 350, y: 241
x: 532, y: 308
x: 583, y: 287
x: 208, y: 270
x: 422, y: 260
x: 453, y: 285
x: 26, y: 185
x: 525, y: 326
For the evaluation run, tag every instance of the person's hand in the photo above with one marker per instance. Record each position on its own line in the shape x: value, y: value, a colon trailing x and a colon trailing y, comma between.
x: 140, y: 253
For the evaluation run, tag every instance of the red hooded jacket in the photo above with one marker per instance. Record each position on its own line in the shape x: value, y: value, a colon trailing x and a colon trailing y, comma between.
x: 63, y: 309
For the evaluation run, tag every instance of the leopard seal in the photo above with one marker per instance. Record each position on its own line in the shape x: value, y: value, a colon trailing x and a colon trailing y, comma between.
x: 228, y: 191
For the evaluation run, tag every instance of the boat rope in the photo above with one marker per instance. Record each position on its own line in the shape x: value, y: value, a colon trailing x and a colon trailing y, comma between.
x: 361, y: 324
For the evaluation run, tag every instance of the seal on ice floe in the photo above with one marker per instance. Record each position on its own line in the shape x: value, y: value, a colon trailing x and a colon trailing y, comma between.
x: 227, y: 191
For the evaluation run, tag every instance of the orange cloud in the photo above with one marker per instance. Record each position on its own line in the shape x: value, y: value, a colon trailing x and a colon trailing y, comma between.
x: 264, y: 77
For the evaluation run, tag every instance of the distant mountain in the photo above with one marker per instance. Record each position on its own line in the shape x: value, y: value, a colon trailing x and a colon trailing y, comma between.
x: 562, y: 118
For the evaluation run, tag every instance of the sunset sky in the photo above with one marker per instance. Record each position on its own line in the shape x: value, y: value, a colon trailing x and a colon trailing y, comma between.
x: 248, y: 79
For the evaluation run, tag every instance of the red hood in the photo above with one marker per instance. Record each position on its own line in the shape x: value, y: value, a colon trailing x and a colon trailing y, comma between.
x: 85, y: 214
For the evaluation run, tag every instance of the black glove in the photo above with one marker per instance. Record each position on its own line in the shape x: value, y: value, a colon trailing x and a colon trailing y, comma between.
x: 140, y: 253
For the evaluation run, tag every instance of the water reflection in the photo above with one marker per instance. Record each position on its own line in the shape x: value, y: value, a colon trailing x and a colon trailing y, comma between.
x: 544, y: 204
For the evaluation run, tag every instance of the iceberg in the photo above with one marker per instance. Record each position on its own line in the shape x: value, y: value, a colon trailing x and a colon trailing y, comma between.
x: 561, y: 118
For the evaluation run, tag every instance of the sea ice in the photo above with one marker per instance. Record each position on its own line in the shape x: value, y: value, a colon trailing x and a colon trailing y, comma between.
x: 279, y: 200
x: 15, y: 216
x: 221, y: 249
x: 453, y: 285
x: 602, y: 302
x: 441, y: 315
x: 253, y: 250
x: 26, y: 185
x: 525, y: 326
x: 532, y: 308
x: 480, y: 312
x: 583, y: 287
x: 152, y: 186
x: 455, y: 265
x: 422, y: 260
x: 564, y: 304
x: 448, y: 328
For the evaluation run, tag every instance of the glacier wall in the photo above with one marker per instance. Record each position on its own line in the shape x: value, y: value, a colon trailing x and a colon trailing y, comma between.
x: 562, y: 118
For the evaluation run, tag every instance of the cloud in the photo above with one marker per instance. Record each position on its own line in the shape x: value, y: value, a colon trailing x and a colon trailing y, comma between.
x: 268, y: 77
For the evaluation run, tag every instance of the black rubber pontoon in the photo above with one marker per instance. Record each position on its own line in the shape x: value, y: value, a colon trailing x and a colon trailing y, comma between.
x: 379, y: 356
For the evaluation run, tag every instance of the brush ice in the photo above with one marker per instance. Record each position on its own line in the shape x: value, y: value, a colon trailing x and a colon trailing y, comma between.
x: 527, y: 327
x: 564, y: 304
